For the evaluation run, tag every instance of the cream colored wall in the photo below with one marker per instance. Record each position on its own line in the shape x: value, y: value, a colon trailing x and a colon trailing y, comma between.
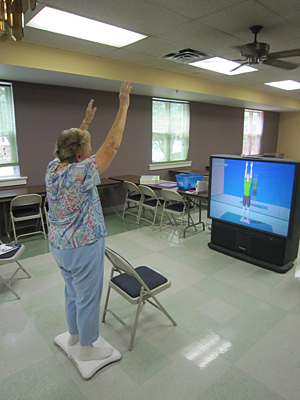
x: 289, y: 135
x: 45, y: 58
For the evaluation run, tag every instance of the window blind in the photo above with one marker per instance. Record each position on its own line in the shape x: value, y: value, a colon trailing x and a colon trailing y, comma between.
x: 8, y: 144
x: 170, y: 130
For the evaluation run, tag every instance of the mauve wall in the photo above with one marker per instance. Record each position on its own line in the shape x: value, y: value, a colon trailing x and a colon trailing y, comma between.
x: 270, y: 133
x: 42, y: 111
x: 214, y: 130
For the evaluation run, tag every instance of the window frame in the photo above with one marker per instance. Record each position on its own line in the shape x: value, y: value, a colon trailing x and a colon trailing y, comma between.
x: 168, y: 135
x: 251, y: 136
x: 9, y: 170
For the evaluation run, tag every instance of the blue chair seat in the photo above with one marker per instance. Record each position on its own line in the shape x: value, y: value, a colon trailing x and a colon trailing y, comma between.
x: 26, y: 212
x: 132, y: 286
x: 136, y: 197
x: 178, y: 207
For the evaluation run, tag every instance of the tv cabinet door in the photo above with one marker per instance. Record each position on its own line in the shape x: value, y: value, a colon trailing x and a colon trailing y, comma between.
x: 223, y: 235
x: 268, y: 248
x: 243, y: 241
x: 256, y: 245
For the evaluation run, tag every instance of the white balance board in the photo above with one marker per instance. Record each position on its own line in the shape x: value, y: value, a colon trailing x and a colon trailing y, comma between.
x: 86, y: 368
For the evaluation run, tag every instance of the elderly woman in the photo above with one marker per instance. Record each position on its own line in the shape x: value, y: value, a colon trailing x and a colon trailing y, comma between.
x: 77, y: 231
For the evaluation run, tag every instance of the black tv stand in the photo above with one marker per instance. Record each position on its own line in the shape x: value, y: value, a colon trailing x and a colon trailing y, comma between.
x: 244, y: 257
x: 262, y: 249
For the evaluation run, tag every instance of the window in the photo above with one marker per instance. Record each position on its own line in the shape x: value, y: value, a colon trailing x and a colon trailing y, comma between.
x: 253, y: 128
x: 170, y: 130
x: 8, y: 145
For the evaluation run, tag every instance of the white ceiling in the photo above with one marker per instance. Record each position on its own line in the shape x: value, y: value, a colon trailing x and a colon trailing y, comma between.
x: 215, y: 27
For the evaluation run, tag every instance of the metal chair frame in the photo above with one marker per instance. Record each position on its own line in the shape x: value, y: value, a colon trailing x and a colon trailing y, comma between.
x: 133, y: 198
x: 25, y: 208
x: 6, y: 259
x: 125, y: 270
x: 175, y: 204
x: 149, y: 201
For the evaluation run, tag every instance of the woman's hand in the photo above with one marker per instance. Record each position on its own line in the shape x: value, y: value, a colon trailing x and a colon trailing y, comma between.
x: 124, y: 94
x: 90, y: 112
x: 89, y: 116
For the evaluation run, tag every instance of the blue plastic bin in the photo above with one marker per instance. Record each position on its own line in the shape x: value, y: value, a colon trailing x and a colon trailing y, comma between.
x: 188, y: 181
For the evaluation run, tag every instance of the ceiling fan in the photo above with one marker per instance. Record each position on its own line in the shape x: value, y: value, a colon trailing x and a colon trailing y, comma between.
x: 258, y: 52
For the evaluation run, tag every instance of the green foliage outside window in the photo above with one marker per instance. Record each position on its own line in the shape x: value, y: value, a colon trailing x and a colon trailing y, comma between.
x: 170, y: 130
x: 8, y: 145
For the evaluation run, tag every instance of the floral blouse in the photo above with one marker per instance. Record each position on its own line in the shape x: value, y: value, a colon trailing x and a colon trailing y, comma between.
x: 75, y: 213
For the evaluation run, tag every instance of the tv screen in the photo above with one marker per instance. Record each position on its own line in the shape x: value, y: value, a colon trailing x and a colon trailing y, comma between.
x: 252, y: 193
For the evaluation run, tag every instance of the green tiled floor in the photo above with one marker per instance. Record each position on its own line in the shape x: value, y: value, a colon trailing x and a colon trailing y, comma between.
x: 237, y: 335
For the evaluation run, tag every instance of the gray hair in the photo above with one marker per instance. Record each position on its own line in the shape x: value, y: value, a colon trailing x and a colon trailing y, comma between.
x: 70, y: 144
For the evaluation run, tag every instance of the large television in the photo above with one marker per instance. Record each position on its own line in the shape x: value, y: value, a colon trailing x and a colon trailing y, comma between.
x: 255, y: 195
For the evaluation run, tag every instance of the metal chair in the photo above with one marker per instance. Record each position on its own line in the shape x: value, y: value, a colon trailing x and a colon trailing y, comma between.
x: 45, y: 212
x: 12, y: 256
x: 27, y: 207
x: 133, y: 198
x: 136, y: 285
x: 149, y: 201
x: 175, y: 204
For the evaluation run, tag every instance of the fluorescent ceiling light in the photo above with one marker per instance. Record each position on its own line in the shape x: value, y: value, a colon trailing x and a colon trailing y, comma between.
x: 64, y: 23
x: 286, y: 85
x: 223, y: 66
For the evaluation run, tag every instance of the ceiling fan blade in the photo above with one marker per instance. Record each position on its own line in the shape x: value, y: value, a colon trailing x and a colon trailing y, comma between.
x: 280, y: 64
x: 286, y: 53
x: 32, y: 5
x: 238, y: 60
x: 239, y: 66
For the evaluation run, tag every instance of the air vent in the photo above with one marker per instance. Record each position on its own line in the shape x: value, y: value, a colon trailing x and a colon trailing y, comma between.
x: 186, y: 56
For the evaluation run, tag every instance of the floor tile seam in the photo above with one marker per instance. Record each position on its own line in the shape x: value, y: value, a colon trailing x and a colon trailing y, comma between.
x: 14, y: 375
x: 273, y: 386
x: 263, y: 296
x: 30, y: 313
x: 228, y: 286
x: 195, y: 378
x: 265, y: 384
x: 10, y: 373
x: 283, y: 384
x: 250, y: 324
x: 16, y: 385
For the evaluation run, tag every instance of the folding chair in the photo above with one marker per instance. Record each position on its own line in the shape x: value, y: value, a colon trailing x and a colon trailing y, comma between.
x: 45, y: 212
x: 175, y: 204
x: 149, y: 201
x: 136, y: 285
x: 133, y: 198
x: 27, y: 207
x: 11, y: 257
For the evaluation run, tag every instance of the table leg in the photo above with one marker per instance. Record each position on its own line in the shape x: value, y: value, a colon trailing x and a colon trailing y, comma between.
x: 189, y: 202
x: 6, y: 219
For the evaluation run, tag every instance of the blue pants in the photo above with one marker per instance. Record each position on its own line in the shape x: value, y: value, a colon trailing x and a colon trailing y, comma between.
x: 82, y: 269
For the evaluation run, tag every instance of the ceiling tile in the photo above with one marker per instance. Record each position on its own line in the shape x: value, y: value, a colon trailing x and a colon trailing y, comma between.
x: 236, y: 21
x: 138, y: 58
x: 154, y: 46
x: 290, y: 10
x: 200, y: 37
x: 196, y: 8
